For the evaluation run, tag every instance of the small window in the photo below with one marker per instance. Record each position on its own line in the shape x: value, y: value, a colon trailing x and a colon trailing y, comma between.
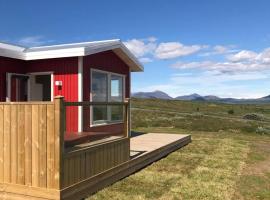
x: 107, y: 87
x: 116, y: 88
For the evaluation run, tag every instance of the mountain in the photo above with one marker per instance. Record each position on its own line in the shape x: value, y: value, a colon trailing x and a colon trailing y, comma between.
x: 196, y: 97
x: 156, y: 95
x: 190, y: 97
x: 211, y: 98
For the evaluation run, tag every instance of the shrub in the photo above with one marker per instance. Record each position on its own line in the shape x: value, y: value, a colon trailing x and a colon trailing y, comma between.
x: 253, y: 116
x: 261, y: 130
x: 231, y: 112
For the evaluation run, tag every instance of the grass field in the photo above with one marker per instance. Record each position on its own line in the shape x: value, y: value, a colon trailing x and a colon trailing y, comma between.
x: 227, y: 159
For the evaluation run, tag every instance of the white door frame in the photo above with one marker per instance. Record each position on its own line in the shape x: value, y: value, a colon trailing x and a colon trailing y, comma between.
x: 8, y: 87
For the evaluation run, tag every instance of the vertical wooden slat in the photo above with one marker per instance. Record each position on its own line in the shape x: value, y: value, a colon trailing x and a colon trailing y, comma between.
x: 28, y: 145
x: 59, y: 127
x: 43, y: 146
x: 71, y: 170
x: 35, y: 146
x: 14, y: 142
x: 50, y: 146
x: 83, y: 166
x: 21, y: 143
x: 66, y: 173
x: 1, y: 143
x: 7, y: 155
x: 77, y: 168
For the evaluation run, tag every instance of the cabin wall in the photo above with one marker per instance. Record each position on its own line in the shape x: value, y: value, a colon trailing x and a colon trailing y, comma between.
x: 9, y: 65
x: 110, y: 62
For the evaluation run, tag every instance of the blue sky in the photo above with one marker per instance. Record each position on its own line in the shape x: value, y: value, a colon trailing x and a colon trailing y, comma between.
x: 207, y: 47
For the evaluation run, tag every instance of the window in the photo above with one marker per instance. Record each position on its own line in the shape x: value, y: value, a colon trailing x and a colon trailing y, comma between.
x: 107, y: 87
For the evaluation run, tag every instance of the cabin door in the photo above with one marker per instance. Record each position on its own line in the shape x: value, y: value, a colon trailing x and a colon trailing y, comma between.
x: 17, y: 87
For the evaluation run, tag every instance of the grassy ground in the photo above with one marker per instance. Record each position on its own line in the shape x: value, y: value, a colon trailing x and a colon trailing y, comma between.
x: 227, y: 159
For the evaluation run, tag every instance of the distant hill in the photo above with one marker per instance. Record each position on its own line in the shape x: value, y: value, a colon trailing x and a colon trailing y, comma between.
x: 156, y: 94
x: 196, y: 97
x: 190, y: 97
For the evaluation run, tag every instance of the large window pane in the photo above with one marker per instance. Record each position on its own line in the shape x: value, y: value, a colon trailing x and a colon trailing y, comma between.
x: 99, y: 86
x: 116, y: 113
x: 99, y: 114
x: 116, y: 88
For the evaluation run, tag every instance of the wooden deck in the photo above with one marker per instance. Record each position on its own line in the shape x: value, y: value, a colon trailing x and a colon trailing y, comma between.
x: 145, y: 149
x: 147, y: 143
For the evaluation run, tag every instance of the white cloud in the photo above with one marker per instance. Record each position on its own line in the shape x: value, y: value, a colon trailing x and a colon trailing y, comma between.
x: 243, y: 61
x: 151, y: 49
x: 145, y: 60
x: 31, y: 41
x: 242, y: 56
x: 152, y: 39
x: 140, y: 47
x: 220, y: 50
x: 170, y: 50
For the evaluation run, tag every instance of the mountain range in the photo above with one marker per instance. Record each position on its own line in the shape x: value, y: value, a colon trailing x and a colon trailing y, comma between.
x: 196, y: 97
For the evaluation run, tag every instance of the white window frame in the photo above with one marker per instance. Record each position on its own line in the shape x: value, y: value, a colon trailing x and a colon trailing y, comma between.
x: 109, y: 74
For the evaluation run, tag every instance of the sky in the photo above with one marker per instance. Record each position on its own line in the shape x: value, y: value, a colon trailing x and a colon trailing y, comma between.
x: 207, y: 47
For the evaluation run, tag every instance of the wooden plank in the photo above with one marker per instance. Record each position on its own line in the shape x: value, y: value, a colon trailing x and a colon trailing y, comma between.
x: 43, y: 146
x: 20, y: 192
x: 35, y: 145
x: 83, y: 167
x: 28, y: 144
x: 59, y: 127
x: 14, y: 142
x: 77, y: 168
x: 50, y: 146
x: 1, y: 143
x: 71, y: 170
x: 21, y: 145
x: 66, y: 172
x: 7, y: 148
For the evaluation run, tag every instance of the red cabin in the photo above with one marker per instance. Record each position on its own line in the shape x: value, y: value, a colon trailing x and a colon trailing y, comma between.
x: 81, y: 72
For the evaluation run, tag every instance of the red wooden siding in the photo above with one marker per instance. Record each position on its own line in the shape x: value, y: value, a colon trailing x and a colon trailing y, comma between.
x: 106, y: 61
x: 65, y: 70
x: 9, y: 65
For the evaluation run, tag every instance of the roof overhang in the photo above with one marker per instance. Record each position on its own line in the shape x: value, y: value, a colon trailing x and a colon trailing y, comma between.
x: 72, y: 50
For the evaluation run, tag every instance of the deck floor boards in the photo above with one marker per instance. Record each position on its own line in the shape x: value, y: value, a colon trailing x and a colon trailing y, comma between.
x: 152, y: 141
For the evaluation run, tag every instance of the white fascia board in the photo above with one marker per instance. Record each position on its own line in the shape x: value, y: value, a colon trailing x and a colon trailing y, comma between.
x: 12, y: 54
x: 60, y: 53
x: 98, y: 49
x: 131, y: 56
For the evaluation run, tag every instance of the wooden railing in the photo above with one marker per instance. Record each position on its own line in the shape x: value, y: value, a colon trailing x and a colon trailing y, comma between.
x: 31, y: 143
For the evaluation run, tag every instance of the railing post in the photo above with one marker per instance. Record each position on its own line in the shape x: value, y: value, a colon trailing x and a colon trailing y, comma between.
x: 126, y: 118
x: 59, y: 128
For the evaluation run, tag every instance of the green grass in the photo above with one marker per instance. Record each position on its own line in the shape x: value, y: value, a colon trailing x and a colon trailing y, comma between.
x: 227, y: 159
